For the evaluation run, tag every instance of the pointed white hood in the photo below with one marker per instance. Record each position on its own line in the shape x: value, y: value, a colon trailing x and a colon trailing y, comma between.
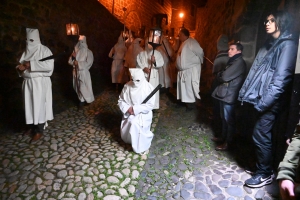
x: 33, y: 44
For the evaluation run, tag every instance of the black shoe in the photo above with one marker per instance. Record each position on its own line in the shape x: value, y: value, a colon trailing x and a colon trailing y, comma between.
x: 187, y: 109
x: 259, y: 180
x: 222, y: 147
x: 216, y: 139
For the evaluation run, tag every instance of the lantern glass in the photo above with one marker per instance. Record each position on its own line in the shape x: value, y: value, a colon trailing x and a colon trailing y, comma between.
x: 154, y: 38
x: 72, y: 29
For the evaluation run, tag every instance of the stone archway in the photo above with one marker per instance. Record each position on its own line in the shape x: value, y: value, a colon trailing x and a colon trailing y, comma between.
x: 132, y: 21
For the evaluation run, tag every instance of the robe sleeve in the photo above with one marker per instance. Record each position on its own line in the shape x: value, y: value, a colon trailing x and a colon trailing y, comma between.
x: 140, y: 60
x: 123, y: 105
x: 70, y: 62
x: 87, y: 63
x: 111, y: 53
x: 144, y: 108
x: 42, y: 66
x: 197, y: 50
x: 159, y: 59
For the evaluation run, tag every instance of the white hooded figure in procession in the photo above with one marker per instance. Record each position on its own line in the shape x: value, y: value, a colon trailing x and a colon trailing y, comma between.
x: 129, y: 40
x: 132, y: 52
x: 150, y: 63
x: 37, y: 86
x: 117, y: 69
x: 137, y: 116
x: 167, y: 52
x: 82, y: 59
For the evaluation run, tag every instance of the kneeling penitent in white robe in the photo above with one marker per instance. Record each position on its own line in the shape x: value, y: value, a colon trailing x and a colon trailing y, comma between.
x: 135, y: 126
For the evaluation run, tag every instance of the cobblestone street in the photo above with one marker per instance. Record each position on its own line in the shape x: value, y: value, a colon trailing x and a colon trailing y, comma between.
x: 82, y: 156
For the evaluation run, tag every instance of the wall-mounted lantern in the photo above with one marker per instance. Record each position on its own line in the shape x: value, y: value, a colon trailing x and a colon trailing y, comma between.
x: 181, y: 16
x: 72, y: 29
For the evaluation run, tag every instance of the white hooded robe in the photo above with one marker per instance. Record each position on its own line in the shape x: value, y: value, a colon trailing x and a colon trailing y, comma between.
x: 188, y: 62
x: 144, y: 60
x: 37, y: 86
x: 82, y: 82
x: 135, y: 129
x: 118, y: 53
x: 167, y: 52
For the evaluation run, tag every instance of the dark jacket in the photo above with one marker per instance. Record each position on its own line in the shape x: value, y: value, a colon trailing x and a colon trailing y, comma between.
x: 270, y: 73
x: 294, y: 115
x: 231, y: 79
x: 219, y: 64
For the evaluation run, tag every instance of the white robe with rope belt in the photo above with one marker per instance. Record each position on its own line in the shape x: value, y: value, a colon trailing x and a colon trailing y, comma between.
x: 82, y: 76
x: 117, y: 68
x: 144, y: 60
x: 37, y: 87
x: 135, y: 129
x: 188, y: 62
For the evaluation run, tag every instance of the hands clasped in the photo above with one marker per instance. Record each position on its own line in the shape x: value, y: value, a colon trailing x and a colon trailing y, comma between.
x: 130, y: 111
x: 24, y: 66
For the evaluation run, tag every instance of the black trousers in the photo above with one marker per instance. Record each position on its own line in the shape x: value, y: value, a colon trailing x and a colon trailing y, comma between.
x: 262, y: 138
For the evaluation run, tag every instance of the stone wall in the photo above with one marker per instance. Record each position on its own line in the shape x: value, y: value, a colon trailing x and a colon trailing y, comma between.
x: 138, y: 13
x: 50, y: 17
x: 216, y: 18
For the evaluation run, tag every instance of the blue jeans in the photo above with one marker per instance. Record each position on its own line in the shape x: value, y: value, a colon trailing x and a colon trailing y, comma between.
x: 227, y: 113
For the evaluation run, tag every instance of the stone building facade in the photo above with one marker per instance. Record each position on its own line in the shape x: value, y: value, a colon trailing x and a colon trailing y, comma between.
x: 138, y: 15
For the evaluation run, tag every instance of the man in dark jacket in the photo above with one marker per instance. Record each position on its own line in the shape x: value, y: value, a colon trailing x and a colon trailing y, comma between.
x: 264, y: 88
x: 219, y: 64
x: 231, y: 79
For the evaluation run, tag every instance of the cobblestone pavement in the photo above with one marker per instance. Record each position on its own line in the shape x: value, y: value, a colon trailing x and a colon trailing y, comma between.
x: 82, y: 157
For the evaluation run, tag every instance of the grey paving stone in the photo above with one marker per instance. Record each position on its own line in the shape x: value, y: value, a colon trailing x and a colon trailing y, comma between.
x: 215, y: 189
x: 178, y: 187
x: 235, y: 191
x: 220, y: 197
x: 217, y: 172
x: 248, y: 198
x: 226, y: 176
x: 259, y: 194
x: 199, y: 186
x: 208, y: 180
x: 188, y: 186
x: 202, y: 195
x: 185, y: 194
x: 224, y: 183
x: 247, y: 189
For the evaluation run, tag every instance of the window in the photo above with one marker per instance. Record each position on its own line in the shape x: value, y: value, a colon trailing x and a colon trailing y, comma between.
x: 161, y: 2
x: 193, y: 10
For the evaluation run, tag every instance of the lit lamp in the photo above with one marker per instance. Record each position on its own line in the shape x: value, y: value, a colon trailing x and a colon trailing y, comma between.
x: 154, y: 38
x: 181, y: 15
x: 72, y: 29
